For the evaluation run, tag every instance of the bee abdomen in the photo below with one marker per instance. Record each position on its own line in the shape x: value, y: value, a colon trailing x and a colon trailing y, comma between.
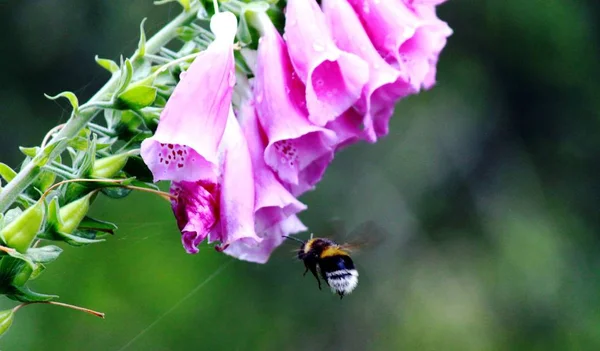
x: 342, y: 281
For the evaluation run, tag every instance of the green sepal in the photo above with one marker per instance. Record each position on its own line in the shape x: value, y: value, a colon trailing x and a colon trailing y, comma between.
x: 10, y: 216
x: 24, y: 294
x: 89, y: 223
x: 45, y: 254
x: 6, y: 320
x: 20, y: 233
x: 136, y: 97
x: 39, y: 269
x: 69, y: 96
x: 107, y: 64
x: 75, y: 240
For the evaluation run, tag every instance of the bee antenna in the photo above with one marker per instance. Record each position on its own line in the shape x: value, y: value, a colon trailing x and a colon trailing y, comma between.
x: 291, y: 237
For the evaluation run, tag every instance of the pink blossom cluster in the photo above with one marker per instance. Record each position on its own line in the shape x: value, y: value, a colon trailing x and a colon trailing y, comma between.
x: 332, y: 79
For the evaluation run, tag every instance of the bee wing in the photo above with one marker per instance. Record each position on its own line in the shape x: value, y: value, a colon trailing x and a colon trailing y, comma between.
x: 366, y: 235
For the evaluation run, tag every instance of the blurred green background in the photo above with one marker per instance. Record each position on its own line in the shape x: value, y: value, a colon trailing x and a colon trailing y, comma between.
x: 487, y: 187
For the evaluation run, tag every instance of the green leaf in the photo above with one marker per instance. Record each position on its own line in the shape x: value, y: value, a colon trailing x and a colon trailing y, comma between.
x: 69, y: 96
x: 45, y: 254
x: 107, y: 64
x: 6, y: 172
x: 142, y: 43
x: 6, y: 320
x: 126, y: 75
x: 137, y: 97
x: 29, y: 151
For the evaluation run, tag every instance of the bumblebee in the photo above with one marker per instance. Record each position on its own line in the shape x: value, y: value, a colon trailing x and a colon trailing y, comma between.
x: 331, y: 261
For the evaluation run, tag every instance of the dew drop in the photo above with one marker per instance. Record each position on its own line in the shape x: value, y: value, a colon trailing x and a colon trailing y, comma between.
x: 376, y: 2
x: 259, y: 96
x: 318, y: 47
x: 182, y: 75
x: 292, y: 22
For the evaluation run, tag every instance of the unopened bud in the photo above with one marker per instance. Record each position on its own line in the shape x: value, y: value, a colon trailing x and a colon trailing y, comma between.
x: 19, y: 233
x: 108, y: 167
x: 73, y: 213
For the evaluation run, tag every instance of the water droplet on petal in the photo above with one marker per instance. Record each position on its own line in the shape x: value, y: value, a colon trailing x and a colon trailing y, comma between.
x: 259, y: 96
x: 182, y: 75
x: 366, y: 8
x: 284, y: 36
x: 376, y: 1
x: 318, y: 47
x: 292, y: 22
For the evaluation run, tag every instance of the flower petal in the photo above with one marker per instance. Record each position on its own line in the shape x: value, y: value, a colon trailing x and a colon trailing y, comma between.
x: 271, y: 239
x: 410, y: 37
x: 381, y: 92
x: 334, y: 79
x: 294, y: 143
x: 196, y: 211
x: 273, y: 202
x: 184, y: 147
x: 237, y: 188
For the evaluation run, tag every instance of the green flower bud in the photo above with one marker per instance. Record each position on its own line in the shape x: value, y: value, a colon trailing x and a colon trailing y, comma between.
x: 108, y: 167
x: 6, y: 319
x: 73, y: 213
x: 19, y: 233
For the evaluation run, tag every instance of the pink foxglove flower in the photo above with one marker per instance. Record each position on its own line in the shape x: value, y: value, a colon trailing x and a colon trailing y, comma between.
x: 409, y: 36
x: 334, y: 79
x: 199, y: 146
x: 386, y: 84
x: 297, y: 150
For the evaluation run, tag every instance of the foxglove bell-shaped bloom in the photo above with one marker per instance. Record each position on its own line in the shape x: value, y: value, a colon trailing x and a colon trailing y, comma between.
x: 273, y: 202
x: 184, y: 147
x: 385, y: 86
x: 409, y: 36
x: 334, y: 79
x: 271, y: 239
x: 200, y: 147
x: 297, y: 150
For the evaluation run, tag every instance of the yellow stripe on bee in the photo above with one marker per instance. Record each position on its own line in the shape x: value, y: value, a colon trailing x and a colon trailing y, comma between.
x: 308, y: 245
x: 333, y: 251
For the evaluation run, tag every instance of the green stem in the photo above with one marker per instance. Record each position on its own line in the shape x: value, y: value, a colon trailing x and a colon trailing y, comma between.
x: 77, y: 122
